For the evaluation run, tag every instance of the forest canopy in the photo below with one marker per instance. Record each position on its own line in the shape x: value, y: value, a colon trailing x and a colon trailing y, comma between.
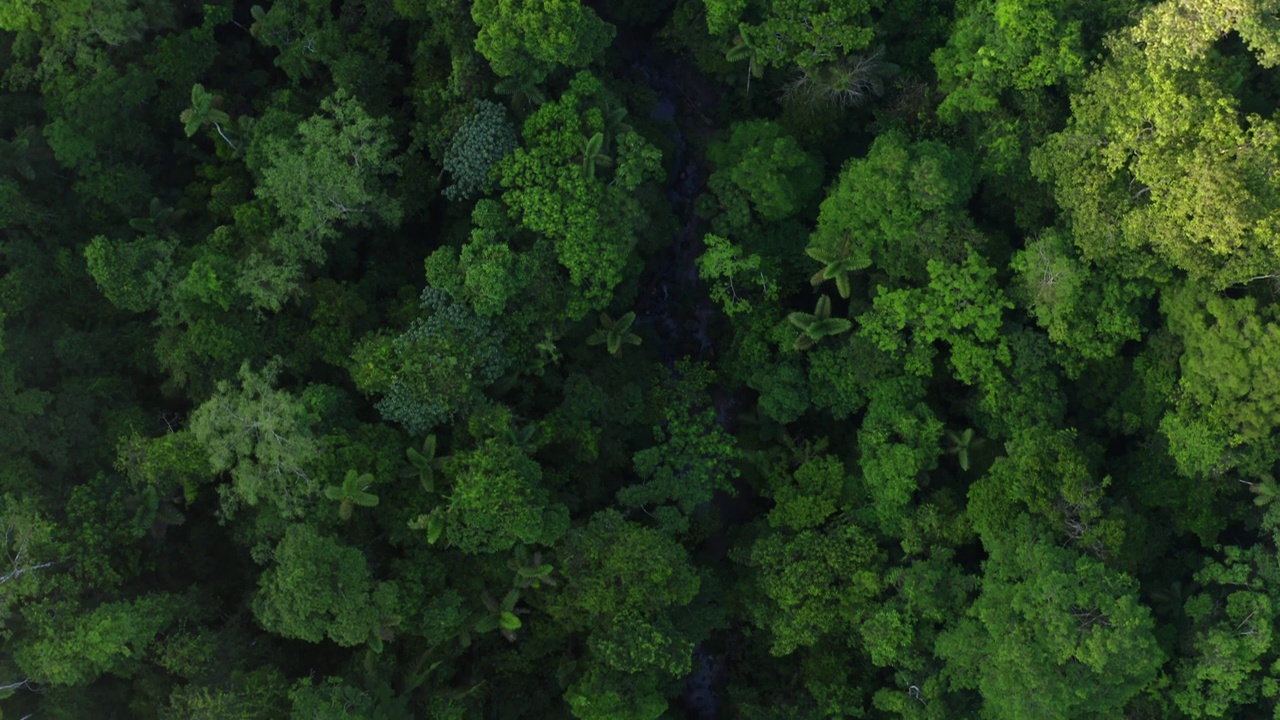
x: 640, y: 359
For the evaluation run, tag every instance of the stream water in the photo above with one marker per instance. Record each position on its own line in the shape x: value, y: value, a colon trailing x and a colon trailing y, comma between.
x: 674, y: 301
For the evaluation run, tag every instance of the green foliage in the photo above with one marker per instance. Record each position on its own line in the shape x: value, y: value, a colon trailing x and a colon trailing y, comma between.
x: 815, y: 583
x: 786, y: 32
x: 962, y: 306
x: 204, y: 111
x: 622, y: 583
x: 818, y: 325
x: 533, y: 37
x: 733, y: 276
x: 898, y: 445
x: 694, y: 455
x: 806, y: 498
x: 263, y: 437
x: 497, y: 500
x: 132, y: 274
x: 896, y: 209
x: 253, y: 469
x: 297, y: 29
x: 75, y: 648
x: 1170, y: 171
x: 1053, y: 634
x: 592, y: 220
x: 613, y: 334
x: 764, y: 164
x: 434, y: 369
x: 1090, y: 312
x: 318, y: 588
x: 329, y: 170
x: 352, y: 492
x: 844, y: 83
x: 1226, y: 399
x: 1231, y: 626
x: 484, y: 138
x: 1045, y: 472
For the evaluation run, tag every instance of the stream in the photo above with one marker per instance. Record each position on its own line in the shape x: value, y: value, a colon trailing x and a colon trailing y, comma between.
x: 673, y: 300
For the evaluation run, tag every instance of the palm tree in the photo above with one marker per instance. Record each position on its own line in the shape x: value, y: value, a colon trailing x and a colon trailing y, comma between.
x: 524, y: 92
x: 593, y: 155
x: 615, y: 121
x: 15, y: 153
x: 530, y: 571
x: 1265, y: 489
x: 522, y: 437
x: 837, y: 264
x: 960, y: 444
x: 613, y: 334
x: 818, y: 325
x: 204, y: 111
x: 744, y: 49
x: 352, y: 492
x: 844, y: 83
x: 158, y: 222
x: 425, y: 463
x: 502, y: 616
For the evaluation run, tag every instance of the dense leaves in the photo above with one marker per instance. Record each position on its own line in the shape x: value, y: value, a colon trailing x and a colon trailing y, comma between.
x: 629, y: 359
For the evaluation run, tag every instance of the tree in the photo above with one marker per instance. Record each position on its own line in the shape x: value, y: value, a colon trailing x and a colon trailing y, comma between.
x: 1159, y: 166
x: 591, y: 221
x: 1005, y: 67
x: 263, y: 437
x: 484, y: 138
x: 898, y: 445
x: 843, y: 83
x: 1227, y: 401
x: 1090, y: 311
x: 497, y: 500
x: 204, y: 111
x: 805, y: 498
x: 327, y: 170
x: 628, y: 587
x: 812, y: 584
x: 1044, y: 471
x: 318, y: 588
x: 353, y: 491
x: 693, y: 458
x: 75, y: 646
x: 1053, y: 634
x: 803, y: 34
x: 838, y: 263
x: 435, y: 368
x: 534, y: 37
x: 962, y: 306
x: 818, y: 325
x: 733, y: 276
x: 896, y: 209
x: 1231, y: 628
x: 763, y: 164
x: 30, y: 552
x: 299, y: 30
x: 613, y: 334
x: 133, y: 275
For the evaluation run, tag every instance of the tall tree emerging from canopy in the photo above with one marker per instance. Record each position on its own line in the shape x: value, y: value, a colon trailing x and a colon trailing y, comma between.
x: 329, y: 172
x: 320, y: 588
x: 1162, y: 164
x: 591, y: 217
x: 533, y: 37
x: 1053, y: 635
x: 262, y: 437
x: 432, y: 370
